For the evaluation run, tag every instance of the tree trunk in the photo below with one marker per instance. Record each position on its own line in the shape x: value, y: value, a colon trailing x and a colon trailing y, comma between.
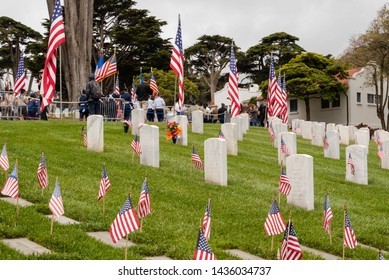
x: 77, y: 50
x: 307, y: 109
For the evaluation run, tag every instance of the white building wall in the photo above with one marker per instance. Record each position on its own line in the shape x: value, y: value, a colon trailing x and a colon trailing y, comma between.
x: 244, y: 94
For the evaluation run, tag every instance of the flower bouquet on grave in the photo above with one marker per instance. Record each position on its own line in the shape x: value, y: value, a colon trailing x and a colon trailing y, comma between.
x: 173, y: 129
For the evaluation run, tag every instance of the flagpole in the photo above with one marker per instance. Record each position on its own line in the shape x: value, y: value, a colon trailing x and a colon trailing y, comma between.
x: 125, y: 252
x: 175, y: 93
x: 344, y: 225
x: 60, y: 80
x: 52, y: 224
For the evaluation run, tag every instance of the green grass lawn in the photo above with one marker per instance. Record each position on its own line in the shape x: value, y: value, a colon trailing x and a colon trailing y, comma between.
x: 178, y: 200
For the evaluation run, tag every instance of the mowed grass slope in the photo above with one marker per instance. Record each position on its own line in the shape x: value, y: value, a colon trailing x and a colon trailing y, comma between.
x: 178, y: 196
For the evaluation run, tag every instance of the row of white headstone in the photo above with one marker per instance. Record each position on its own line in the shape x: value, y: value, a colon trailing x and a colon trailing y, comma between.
x: 299, y: 167
x: 215, y: 149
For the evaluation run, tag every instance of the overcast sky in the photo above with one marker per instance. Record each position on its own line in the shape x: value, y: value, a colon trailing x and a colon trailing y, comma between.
x: 323, y: 27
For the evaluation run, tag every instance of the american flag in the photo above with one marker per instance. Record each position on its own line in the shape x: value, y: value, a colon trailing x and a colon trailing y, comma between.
x: 4, y: 158
x: 20, y: 81
x: 274, y: 223
x: 55, y: 204
x: 328, y: 216
x: 117, y: 88
x: 284, y: 185
x: 349, y: 239
x: 283, y: 147
x: 350, y: 163
x: 105, y: 184
x: 381, y: 153
x: 233, y: 92
x: 135, y: 145
x: 380, y: 256
x: 290, y: 249
x: 177, y: 64
x: 102, y: 70
x: 153, y: 86
x: 221, y: 135
x: 274, y: 93
x: 125, y: 222
x: 144, y: 207
x: 326, y: 144
x: 112, y: 68
x: 196, y: 159
x: 11, y: 187
x: 83, y: 134
x: 285, y: 116
x: 56, y: 38
x: 203, y: 251
x: 271, y: 132
x: 41, y: 175
x: 207, y: 221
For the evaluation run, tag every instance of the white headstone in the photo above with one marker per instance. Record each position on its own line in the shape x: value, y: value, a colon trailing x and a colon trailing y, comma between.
x: 294, y: 123
x: 246, y: 122
x: 385, y: 151
x: 289, y: 139
x: 352, y: 130
x: 332, y: 150
x: 344, y: 134
x: 137, y: 118
x: 76, y: 114
x: 182, y: 138
x: 317, y: 135
x: 95, y: 133
x: 198, y: 122
x: 57, y: 113
x: 306, y: 130
x: 299, y: 169
x: 239, y: 122
x: 149, y: 143
x: 215, y: 161
x: 230, y: 131
x: 298, y: 127
x: 66, y: 112
x: 278, y: 128
x: 356, y: 164
x: 330, y: 126
x: 362, y: 137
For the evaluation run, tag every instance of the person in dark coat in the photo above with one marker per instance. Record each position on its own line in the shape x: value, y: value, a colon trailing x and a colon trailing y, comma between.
x: 143, y: 91
x: 127, y: 109
x: 83, y: 103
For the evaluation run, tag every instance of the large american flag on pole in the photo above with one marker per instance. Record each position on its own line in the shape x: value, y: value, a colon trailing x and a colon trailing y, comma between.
x: 274, y: 223
x: 177, y: 64
x: 154, y: 86
x: 112, y: 67
x: 144, y: 207
x: 20, y: 81
x: 203, y: 251
x: 55, y: 204
x: 207, y: 221
x: 349, y: 239
x: 328, y: 216
x: 41, y: 175
x: 290, y: 249
x: 196, y: 159
x: 11, y: 187
x: 233, y: 91
x: 285, y: 116
x: 105, y: 184
x: 4, y: 163
x: 56, y: 38
x: 125, y: 222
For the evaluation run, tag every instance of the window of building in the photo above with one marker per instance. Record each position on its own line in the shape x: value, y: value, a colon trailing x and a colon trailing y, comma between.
x: 359, y: 98
x: 325, y: 104
x: 293, y: 105
x: 336, y: 103
x: 370, y: 98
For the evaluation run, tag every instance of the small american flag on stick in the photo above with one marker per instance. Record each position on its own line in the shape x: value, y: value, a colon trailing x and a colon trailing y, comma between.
x: 11, y: 187
x: 284, y: 185
x: 290, y: 249
x: 41, y: 175
x: 105, y: 184
x: 135, y: 145
x: 207, y: 221
x: 144, y: 208
x: 55, y: 204
x: 274, y: 223
x: 328, y: 216
x: 196, y: 159
x: 203, y: 251
x: 4, y: 163
x: 349, y: 239
x: 350, y: 163
x: 85, y: 138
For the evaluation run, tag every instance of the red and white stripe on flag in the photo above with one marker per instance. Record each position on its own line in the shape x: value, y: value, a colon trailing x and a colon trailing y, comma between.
x: 233, y: 91
x: 11, y: 187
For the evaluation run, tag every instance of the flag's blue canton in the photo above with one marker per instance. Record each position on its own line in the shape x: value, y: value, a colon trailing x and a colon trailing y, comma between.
x: 145, y: 187
x: 271, y: 69
x: 57, y: 191
x: 279, y: 79
x: 282, y: 171
x: 292, y: 232
x: 347, y: 221
x: 326, y: 204
x: 208, y: 210
x: 126, y: 206
x: 20, y: 68
x: 104, y: 173
x: 14, y: 173
x: 43, y: 161
x: 274, y: 208
x: 232, y: 62
x: 202, y: 244
x: 178, y: 38
x: 57, y: 11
